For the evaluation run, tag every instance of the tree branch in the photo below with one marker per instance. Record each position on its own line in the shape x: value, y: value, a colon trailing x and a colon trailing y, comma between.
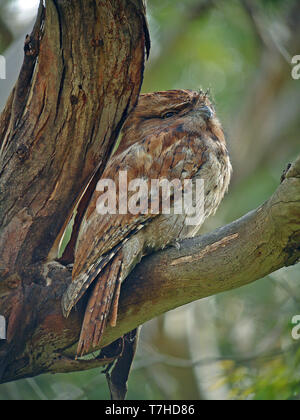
x: 242, y: 252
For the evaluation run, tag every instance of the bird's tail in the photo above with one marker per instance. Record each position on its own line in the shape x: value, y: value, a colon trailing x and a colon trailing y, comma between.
x: 102, y: 303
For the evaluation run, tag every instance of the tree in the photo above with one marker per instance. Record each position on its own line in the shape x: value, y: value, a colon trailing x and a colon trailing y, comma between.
x: 82, y: 74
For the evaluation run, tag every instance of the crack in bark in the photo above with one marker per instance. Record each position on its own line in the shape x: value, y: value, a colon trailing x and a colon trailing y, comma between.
x: 208, y: 250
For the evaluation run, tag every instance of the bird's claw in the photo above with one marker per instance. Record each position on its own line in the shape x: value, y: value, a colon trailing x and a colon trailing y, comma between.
x: 176, y: 245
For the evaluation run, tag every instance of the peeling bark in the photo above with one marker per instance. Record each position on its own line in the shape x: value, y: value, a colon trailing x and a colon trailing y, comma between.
x: 65, y: 117
x: 81, y: 76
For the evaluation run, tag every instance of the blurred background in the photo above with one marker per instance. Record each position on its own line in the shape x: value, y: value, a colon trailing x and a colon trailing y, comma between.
x: 236, y: 345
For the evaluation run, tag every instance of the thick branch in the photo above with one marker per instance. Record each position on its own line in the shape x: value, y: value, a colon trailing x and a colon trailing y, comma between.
x: 246, y: 250
x: 242, y: 252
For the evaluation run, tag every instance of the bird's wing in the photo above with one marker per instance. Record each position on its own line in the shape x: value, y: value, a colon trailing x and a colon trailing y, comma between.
x: 164, y: 155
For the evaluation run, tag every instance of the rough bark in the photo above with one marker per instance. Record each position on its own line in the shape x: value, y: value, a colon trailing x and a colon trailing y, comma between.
x: 82, y: 75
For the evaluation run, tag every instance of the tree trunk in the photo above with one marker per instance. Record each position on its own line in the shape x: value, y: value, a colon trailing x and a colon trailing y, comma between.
x: 81, y: 76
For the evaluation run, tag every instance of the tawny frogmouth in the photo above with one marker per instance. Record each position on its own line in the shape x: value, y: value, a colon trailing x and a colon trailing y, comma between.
x: 170, y: 135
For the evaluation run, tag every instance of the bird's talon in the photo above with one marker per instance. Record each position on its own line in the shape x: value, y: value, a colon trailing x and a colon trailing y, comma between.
x: 176, y: 245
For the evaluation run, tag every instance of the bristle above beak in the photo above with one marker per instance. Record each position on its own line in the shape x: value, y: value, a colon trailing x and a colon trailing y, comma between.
x: 206, y: 112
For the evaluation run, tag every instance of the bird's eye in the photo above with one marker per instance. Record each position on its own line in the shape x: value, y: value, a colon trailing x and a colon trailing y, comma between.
x: 169, y: 114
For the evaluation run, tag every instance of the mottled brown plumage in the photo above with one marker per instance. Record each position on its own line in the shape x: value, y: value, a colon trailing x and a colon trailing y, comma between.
x: 172, y: 135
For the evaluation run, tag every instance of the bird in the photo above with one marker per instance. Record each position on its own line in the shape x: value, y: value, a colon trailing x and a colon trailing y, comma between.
x: 173, y: 134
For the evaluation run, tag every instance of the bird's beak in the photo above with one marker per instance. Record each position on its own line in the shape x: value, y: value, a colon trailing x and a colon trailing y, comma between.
x: 206, y: 112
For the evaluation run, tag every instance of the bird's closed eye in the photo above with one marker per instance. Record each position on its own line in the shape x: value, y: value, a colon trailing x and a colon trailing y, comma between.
x: 169, y: 114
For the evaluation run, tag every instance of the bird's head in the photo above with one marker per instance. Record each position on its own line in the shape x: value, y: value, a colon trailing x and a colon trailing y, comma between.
x: 177, y: 110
